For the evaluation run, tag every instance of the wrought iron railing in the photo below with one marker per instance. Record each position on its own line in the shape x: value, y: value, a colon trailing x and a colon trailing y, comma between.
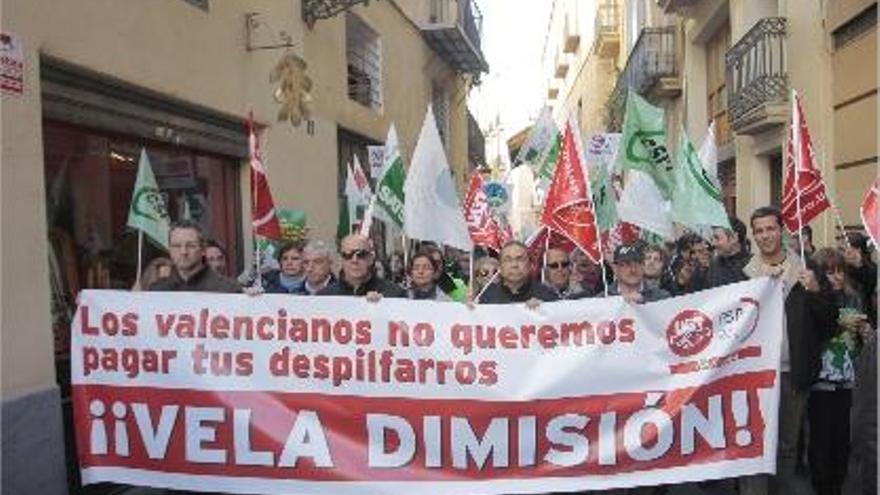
x: 464, y: 13
x: 756, y: 68
x: 653, y: 57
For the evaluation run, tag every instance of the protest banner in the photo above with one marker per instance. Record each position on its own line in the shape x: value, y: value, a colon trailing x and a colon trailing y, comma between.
x: 321, y: 395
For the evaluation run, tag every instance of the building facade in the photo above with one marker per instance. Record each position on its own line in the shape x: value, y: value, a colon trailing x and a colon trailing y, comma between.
x: 103, y: 79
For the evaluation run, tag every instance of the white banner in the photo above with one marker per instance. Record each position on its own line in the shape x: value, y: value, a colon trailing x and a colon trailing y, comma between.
x: 281, y: 394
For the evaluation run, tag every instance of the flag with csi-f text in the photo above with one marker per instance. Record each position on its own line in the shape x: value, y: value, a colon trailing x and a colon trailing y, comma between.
x: 568, y: 208
x: 696, y: 201
x: 148, y: 212
x: 389, y: 201
x: 643, y: 144
x: 432, y: 211
x: 299, y: 395
x: 264, y: 220
x: 803, y: 194
x: 870, y: 211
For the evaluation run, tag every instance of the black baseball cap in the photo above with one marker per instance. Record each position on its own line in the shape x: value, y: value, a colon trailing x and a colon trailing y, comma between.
x: 631, y: 252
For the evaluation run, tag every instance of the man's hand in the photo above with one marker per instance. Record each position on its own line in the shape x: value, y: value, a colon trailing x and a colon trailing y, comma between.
x: 853, y: 257
x: 808, y: 279
x: 373, y: 296
x: 533, y: 303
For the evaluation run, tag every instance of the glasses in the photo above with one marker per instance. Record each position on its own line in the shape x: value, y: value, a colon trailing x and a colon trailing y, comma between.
x: 188, y: 245
x: 360, y: 254
x: 559, y: 264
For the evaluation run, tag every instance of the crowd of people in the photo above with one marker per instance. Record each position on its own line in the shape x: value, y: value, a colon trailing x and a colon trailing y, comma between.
x: 827, y: 414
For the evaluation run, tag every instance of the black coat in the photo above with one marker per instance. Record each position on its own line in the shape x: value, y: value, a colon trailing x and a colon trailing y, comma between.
x: 499, y: 293
x: 725, y: 270
x: 375, y: 284
x: 811, y: 319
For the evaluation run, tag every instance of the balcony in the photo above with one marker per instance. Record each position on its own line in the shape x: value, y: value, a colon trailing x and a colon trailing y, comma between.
x: 571, y: 39
x: 651, y: 70
x: 681, y: 7
x: 561, y: 66
x: 608, y: 33
x: 757, y: 78
x: 314, y: 10
x: 453, y: 30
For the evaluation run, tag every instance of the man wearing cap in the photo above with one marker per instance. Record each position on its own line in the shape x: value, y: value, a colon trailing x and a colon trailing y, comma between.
x: 629, y: 277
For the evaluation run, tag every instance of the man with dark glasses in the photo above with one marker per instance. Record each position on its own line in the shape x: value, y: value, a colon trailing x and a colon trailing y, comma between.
x: 557, y: 274
x: 356, y: 277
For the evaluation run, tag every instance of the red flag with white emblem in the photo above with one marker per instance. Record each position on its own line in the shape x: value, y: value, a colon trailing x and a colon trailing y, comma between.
x: 263, y: 216
x: 568, y: 209
x: 870, y: 211
x: 803, y: 196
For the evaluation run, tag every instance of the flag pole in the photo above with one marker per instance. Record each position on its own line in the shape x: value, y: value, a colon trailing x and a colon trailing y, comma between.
x: 796, y: 137
x: 471, y: 272
x: 546, y: 248
x: 602, y: 265
x: 137, y: 277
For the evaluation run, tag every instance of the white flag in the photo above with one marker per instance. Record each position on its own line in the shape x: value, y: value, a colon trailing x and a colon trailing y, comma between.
x: 709, y: 156
x: 432, y: 211
x: 357, y: 189
x: 643, y: 205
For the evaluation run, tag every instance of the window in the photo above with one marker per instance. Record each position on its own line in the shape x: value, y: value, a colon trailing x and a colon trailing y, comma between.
x: 716, y: 83
x: 202, y: 4
x: 364, y: 60
x: 440, y: 103
x: 89, y: 178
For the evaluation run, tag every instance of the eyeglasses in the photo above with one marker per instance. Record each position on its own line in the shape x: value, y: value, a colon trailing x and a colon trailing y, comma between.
x: 360, y: 254
x: 559, y: 264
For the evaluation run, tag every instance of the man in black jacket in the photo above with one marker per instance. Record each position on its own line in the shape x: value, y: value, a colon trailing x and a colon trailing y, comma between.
x: 516, y: 284
x: 731, y: 255
x: 810, y: 320
x: 186, y: 246
x: 356, y: 277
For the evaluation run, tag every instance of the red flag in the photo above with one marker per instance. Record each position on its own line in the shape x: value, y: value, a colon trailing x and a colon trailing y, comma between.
x: 623, y: 233
x: 483, y: 229
x: 265, y: 221
x: 806, y: 198
x: 871, y: 212
x: 568, y: 209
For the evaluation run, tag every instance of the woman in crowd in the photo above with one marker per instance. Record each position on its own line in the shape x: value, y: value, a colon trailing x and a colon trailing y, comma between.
x: 828, y: 410
x: 422, y: 271
x: 291, y: 277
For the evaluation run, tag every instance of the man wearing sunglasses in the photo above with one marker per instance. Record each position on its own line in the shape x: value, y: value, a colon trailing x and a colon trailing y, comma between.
x: 356, y: 278
x: 557, y: 273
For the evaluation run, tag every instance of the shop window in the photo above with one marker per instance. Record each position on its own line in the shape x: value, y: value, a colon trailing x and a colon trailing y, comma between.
x: 90, y: 176
x: 364, y: 61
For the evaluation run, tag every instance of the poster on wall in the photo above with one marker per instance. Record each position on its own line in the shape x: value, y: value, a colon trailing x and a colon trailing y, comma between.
x: 11, y: 64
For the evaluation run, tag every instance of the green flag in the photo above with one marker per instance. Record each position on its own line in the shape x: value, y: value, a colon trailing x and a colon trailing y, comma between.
x: 148, y: 212
x: 603, y: 198
x: 389, y: 188
x: 643, y: 143
x: 547, y: 164
x: 696, y: 201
